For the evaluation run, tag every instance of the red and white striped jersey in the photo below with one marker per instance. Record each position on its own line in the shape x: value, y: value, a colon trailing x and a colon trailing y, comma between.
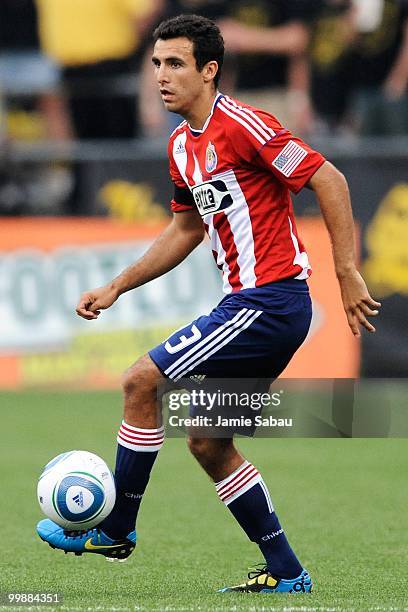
x: 238, y: 172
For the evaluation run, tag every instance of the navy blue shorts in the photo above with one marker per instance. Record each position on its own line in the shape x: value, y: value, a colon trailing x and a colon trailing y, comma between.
x: 252, y: 333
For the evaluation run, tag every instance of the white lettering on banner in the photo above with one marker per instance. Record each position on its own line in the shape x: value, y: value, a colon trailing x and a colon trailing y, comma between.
x: 39, y: 291
x: 184, y: 341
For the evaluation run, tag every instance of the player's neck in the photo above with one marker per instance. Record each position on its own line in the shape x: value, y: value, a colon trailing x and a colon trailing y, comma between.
x: 201, y: 111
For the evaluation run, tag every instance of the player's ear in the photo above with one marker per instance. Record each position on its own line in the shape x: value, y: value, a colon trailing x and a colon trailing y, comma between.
x: 209, y: 71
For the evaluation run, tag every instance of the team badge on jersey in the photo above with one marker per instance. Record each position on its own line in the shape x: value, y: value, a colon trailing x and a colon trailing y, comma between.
x: 210, y: 158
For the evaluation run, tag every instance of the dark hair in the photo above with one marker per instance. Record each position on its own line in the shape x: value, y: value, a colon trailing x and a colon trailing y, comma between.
x: 208, y: 44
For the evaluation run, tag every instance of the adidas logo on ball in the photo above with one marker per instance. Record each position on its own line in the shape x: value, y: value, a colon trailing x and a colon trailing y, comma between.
x: 79, y: 499
x: 76, y: 490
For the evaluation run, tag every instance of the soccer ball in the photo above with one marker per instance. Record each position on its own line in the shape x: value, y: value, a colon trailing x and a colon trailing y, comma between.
x: 76, y: 490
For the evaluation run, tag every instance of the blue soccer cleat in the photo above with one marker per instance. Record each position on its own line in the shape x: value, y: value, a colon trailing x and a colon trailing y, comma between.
x: 90, y: 541
x: 261, y: 581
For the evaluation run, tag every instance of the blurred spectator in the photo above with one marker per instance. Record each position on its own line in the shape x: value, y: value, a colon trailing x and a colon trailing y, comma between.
x: 30, y: 109
x: 2, y: 120
x: 98, y: 45
x: 212, y: 9
x: 265, y: 41
x: 269, y: 39
x: 18, y: 25
x: 331, y: 57
x: 28, y: 79
x: 381, y: 67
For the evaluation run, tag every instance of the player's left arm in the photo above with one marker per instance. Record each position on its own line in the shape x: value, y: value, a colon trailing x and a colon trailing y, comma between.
x: 333, y: 196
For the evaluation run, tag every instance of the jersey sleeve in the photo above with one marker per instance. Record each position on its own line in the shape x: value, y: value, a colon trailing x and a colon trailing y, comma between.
x: 268, y: 145
x: 183, y: 198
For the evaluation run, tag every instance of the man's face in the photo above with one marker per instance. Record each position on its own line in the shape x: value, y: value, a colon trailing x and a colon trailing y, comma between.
x: 180, y: 83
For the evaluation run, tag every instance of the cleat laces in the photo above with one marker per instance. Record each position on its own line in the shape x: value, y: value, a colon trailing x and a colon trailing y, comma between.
x: 80, y: 534
x: 257, y: 570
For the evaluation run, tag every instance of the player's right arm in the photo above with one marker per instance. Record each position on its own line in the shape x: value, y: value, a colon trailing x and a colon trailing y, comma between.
x: 171, y: 247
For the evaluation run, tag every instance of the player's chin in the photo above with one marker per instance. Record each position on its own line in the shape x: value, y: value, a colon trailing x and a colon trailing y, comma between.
x: 172, y: 107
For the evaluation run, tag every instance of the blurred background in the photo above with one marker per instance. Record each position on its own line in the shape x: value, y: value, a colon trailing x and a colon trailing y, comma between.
x: 84, y: 181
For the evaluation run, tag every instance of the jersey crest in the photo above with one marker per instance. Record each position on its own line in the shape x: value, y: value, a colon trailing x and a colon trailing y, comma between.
x: 210, y: 158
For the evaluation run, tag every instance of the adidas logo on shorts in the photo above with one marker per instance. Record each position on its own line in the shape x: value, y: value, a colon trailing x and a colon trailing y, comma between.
x: 198, y: 378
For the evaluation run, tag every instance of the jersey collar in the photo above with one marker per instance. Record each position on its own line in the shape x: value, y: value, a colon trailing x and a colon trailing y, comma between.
x: 198, y: 132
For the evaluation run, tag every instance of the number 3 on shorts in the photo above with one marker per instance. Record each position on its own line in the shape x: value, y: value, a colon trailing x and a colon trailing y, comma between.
x: 184, y: 341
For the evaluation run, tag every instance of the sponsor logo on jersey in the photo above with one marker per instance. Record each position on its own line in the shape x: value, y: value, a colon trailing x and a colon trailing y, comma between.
x: 210, y: 158
x: 212, y: 197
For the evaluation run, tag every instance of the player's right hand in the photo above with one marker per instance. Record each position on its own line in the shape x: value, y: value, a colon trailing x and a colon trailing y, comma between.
x: 92, y: 302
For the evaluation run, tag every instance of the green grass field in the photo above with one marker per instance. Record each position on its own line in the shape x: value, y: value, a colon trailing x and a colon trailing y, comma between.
x: 343, y: 503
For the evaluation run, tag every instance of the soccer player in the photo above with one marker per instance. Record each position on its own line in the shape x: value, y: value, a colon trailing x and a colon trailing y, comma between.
x: 233, y: 167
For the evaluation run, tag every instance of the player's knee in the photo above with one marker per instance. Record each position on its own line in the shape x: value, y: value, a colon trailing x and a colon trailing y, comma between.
x: 211, y: 453
x: 208, y: 450
x: 142, y: 377
x: 130, y: 379
x: 199, y: 447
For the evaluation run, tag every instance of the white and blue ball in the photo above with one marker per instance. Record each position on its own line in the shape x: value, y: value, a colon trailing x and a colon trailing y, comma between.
x: 76, y: 490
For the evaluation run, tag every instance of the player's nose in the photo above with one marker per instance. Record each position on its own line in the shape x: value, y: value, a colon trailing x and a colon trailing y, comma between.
x: 162, y: 75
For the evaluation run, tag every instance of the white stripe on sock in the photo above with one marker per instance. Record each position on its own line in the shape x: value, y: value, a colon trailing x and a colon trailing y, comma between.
x: 238, y: 483
x: 267, y: 496
x: 139, y: 439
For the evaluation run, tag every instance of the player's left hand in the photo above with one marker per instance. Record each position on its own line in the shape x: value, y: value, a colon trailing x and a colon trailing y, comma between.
x: 357, y: 302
